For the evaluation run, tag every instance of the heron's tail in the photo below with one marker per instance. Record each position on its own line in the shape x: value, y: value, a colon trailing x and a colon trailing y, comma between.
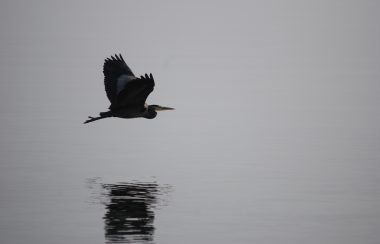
x: 103, y: 115
x: 106, y: 114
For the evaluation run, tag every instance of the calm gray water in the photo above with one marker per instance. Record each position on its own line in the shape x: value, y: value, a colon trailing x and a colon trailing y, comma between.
x: 275, y: 137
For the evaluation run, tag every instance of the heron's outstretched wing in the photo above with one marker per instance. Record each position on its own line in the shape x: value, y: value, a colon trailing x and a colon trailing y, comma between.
x: 135, y: 93
x: 116, y: 75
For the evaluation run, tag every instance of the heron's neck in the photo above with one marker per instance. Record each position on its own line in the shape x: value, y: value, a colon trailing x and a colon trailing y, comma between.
x: 149, y: 113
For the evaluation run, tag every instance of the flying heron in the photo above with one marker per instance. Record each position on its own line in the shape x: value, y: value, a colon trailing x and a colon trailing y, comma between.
x: 126, y: 92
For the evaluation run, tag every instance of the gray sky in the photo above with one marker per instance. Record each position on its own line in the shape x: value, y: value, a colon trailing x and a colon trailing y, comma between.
x: 300, y: 63
x: 251, y: 50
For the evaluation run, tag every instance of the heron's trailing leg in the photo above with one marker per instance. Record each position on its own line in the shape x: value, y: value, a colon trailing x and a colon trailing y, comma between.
x: 103, y: 115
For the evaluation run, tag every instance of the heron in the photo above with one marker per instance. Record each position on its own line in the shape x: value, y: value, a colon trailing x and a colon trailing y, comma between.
x: 126, y: 92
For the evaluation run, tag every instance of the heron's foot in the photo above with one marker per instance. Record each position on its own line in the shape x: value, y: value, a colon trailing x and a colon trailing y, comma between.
x: 91, y: 119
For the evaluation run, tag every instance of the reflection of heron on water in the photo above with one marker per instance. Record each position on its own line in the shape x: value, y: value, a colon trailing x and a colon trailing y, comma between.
x: 129, y: 217
x: 126, y: 92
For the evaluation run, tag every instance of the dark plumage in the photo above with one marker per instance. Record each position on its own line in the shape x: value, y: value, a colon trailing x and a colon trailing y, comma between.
x: 126, y: 92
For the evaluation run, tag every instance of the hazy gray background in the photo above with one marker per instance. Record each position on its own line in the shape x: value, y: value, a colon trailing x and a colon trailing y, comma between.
x: 275, y: 137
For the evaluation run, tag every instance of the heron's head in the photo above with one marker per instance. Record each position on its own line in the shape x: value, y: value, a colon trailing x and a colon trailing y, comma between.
x: 152, y: 110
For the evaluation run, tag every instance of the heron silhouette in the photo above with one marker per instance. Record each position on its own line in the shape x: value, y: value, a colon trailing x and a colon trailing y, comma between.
x: 126, y: 92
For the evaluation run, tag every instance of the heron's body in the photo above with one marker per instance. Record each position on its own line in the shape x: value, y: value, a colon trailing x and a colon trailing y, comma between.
x: 129, y: 112
x: 126, y: 92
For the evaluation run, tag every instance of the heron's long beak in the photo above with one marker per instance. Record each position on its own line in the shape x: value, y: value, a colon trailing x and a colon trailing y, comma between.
x: 161, y: 108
